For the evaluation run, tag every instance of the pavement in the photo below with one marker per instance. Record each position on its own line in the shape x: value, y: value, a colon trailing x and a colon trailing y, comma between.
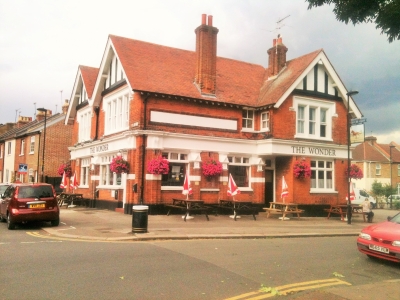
x: 108, y: 226
x: 105, y: 225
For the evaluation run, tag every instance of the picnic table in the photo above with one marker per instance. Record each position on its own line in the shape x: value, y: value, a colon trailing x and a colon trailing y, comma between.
x: 341, y: 209
x: 238, y: 207
x: 283, y: 208
x: 188, y: 206
x: 69, y: 198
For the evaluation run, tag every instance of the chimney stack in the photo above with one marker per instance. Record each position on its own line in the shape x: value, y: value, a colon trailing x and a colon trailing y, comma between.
x: 206, y: 54
x: 276, y: 57
x: 23, y: 120
x: 65, y: 107
x: 40, y: 115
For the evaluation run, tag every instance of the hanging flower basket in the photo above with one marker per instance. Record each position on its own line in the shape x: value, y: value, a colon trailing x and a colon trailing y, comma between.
x: 355, y: 172
x: 211, y: 168
x: 119, y: 165
x: 158, y: 166
x: 301, y: 169
x: 65, y: 168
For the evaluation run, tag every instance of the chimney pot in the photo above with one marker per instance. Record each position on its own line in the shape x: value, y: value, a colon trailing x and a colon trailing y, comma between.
x: 203, y: 19
x: 210, y: 20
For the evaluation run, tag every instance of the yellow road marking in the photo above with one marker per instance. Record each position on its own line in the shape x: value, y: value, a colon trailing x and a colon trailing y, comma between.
x: 290, y: 288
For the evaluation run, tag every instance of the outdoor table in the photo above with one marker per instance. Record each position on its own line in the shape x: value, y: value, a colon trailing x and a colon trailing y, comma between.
x: 188, y: 205
x: 341, y: 209
x: 69, y: 198
x: 238, y: 207
x: 284, y: 209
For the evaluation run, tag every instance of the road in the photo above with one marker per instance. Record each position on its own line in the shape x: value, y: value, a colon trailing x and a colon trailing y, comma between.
x: 35, y: 266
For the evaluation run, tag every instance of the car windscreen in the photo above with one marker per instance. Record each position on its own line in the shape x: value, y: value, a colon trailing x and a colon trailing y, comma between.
x: 35, y: 192
x: 396, y: 219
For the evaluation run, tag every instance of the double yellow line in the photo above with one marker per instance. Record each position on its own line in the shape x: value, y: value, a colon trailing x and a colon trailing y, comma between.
x: 291, y: 288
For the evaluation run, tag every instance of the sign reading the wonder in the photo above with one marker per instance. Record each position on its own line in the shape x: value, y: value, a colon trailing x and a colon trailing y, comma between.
x: 313, y: 151
x: 99, y: 148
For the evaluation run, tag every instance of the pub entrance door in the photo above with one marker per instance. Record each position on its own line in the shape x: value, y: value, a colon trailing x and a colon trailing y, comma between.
x: 269, y: 187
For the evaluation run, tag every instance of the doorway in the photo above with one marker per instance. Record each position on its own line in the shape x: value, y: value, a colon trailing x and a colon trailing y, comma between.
x: 269, y: 187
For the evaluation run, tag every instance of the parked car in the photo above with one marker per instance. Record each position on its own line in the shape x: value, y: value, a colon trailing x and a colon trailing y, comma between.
x: 381, y: 240
x: 23, y: 202
x: 3, y: 187
x: 394, y: 198
x: 361, y: 195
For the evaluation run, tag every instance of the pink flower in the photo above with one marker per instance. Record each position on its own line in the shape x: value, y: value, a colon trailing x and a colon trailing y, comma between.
x: 211, y: 168
x: 119, y: 165
x: 158, y: 166
x: 65, y: 168
x: 301, y: 169
x: 355, y: 172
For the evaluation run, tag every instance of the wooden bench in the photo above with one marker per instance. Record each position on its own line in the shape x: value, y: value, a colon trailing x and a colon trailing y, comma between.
x: 238, y: 207
x: 188, y: 206
x: 342, y: 211
x: 276, y: 211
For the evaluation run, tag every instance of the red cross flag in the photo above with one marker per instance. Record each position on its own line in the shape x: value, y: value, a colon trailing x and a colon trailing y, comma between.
x: 232, y: 187
x: 187, y: 190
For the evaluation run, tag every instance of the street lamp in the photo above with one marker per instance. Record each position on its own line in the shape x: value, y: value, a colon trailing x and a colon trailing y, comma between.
x: 391, y: 184
x: 44, y: 139
x: 349, y: 212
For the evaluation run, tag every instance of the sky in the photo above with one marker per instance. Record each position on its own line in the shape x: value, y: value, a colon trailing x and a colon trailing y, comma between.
x: 42, y: 43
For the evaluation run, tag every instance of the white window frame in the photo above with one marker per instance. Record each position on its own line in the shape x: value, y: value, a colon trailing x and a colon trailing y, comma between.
x: 32, y: 145
x: 265, y: 121
x: 22, y: 150
x: 9, y: 148
x: 241, y: 161
x: 378, y: 169
x: 246, y: 118
x: 108, y: 179
x: 175, y: 158
x: 114, y: 69
x: 325, y: 184
x: 117, y: 112
x: 398, y: 170
x: 309, y: 126
x: 85, y: 171
x: 85, y: 122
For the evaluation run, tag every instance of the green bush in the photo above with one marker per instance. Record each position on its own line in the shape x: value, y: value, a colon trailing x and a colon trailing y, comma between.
x: 396, y: 204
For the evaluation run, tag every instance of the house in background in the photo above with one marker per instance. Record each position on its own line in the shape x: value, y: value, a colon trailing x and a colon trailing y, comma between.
x: 380, y: 162
x: 24, y: 146
x: 147, y: 100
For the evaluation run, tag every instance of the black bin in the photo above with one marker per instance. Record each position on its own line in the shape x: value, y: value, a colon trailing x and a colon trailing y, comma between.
x: 139, y: 218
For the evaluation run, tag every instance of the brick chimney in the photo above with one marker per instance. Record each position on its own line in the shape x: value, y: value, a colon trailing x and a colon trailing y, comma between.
x: 65, y: 107
x: 206, y: 53
x: 371, y: 139
x: 276, y: 57
x: 23, y: 120
x: 40, y: 115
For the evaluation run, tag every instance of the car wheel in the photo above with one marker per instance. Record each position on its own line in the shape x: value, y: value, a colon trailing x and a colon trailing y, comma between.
x: 55, y: 222
x: 10, y: 224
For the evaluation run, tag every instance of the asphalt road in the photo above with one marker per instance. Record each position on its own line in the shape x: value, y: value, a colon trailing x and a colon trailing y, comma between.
x: 36, y: 267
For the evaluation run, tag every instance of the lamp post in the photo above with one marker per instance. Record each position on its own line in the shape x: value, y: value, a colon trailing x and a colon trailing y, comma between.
x: 349, y: 94
x: 391, y: 184
x: 44, y: 139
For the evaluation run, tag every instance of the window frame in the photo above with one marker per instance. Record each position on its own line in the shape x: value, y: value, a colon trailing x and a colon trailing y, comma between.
x: 243, y: 162
x: 108, y: 179
x: 32, y: 144
x: 117, y: 112
x: 85, y: 171
x: 266, y: 121
x: 246, y: 118
x: 22, y: 150
x: 326, y: 170
x: 85, y: 124
x: 310, y: 123
x: 175, y: 159
x: 378, y: 169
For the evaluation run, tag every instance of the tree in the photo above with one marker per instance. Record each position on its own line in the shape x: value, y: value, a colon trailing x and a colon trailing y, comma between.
x: 384, y: 13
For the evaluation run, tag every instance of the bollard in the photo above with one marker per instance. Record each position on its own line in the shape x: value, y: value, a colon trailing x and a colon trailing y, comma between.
x: 139, y: 218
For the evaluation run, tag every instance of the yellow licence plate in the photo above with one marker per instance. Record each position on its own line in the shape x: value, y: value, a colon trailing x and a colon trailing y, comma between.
x: 37, y: 205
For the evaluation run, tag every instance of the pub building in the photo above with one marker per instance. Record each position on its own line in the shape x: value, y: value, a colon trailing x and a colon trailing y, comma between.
x: 147, y: 101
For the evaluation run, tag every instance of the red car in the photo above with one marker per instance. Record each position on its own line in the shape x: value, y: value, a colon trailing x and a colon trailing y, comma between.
x: 22, y: 202
x: 381, y: 240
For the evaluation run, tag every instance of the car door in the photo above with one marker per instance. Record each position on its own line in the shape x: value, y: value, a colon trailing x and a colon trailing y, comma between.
x: 5, y: 200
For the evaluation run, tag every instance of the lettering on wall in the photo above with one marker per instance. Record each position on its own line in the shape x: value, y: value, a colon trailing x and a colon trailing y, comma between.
x: 313, y: 151
x: 325, y: 200
x: 100, y: 148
